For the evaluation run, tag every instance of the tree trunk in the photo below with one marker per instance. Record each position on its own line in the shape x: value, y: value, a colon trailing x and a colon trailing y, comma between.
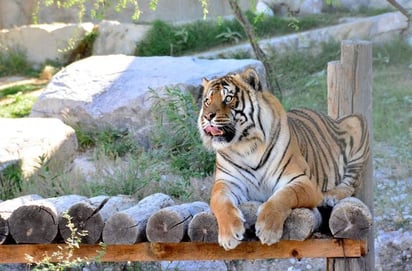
x: 260, y: 55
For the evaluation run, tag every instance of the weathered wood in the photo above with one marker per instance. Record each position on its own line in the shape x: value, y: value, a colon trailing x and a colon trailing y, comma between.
x: 350, y: 91
x: 311, y: 248
x: 37, y: 221
x: 203, y: 228
x: 129, y: 226
x: 90, y: 216
x: 86, y: 219
x: 113, y: 205
x: 350, y: 218
x: 7, y: 208
x: 301, y: 224
x: 170, y: 224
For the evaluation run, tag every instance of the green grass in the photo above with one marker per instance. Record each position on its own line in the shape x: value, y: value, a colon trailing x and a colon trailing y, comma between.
x: 19, y: 89
x: 19, y: 105
x: 167, y: 39
x: 11, y: 181
x: 14, y: 61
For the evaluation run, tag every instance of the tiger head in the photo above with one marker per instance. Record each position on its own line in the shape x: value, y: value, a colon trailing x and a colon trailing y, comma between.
x: 229, y: 109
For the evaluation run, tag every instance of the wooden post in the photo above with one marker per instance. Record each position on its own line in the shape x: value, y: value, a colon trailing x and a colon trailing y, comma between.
x: 350, y: 91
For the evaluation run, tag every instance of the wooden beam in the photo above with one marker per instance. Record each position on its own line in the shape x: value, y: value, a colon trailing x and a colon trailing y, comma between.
x: 311, y: 248
x: 350, y: 91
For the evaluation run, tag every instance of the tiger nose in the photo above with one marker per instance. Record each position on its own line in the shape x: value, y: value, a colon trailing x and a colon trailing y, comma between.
x: 209, y: 116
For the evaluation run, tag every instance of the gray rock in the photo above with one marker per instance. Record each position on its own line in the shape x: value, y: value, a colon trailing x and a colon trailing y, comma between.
x: 116, y: 91
x: 44, y: 42
x: 118, y: 38
x: 28, y: 139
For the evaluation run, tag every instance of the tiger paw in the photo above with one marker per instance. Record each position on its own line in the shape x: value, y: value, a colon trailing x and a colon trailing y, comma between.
x: 269, y: 225
x: 231, y: 231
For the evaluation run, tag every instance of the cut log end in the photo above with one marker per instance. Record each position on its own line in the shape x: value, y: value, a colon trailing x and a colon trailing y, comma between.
x: 170, y: 224
x: 85, y: 220
x: 203, y: 228
x: 33, y: 224
x: 350, y: 218
x: 165, y: 227
x: 120, y: 229
x: 301, y: 224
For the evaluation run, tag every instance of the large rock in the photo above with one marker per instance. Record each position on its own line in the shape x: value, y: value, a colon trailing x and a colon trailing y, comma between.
x: 29, y: 140
x: 44, y: 42
x: 117, y: 90
x: 118, y: 38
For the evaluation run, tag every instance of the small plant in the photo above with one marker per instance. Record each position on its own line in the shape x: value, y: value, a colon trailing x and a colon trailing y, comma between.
x: 11, y: 181
x: 65, y: 257
x: 112, y: 142
x: 230, y: 36
x: 182, y: 35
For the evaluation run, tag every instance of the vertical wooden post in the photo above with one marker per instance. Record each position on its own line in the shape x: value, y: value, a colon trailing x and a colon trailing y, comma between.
x: 350, y: 91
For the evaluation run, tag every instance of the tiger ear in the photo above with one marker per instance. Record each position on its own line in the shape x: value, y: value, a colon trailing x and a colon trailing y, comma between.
x: 252, y: 78
x: 204, y: 81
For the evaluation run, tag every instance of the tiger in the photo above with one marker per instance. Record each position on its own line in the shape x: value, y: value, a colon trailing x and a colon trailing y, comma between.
x: 296, y: 159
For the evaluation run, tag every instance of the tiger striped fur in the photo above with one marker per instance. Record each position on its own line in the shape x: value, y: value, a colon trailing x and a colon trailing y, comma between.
x: 285, y: 160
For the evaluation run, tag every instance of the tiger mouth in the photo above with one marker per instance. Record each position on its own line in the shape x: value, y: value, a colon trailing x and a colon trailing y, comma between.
x: 213, y: 131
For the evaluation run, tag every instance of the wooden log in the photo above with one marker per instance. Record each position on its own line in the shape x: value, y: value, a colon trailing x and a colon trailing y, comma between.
x: 203, y: 228
x: 301, y: 224
x: 129, y: 226
x: 170, y: 224
x: 7, y: 208
x: 113, y: 205
x: 86, y: 218
x: 351, y: 219
x: 37, y: 221
x: 350, y: 91
x: 90, y: 215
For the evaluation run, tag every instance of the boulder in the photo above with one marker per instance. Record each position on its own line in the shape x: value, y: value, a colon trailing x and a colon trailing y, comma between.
x: 116, y: 91
x: 31, y: 140
x: 118, y: 38
x: 44, y: 42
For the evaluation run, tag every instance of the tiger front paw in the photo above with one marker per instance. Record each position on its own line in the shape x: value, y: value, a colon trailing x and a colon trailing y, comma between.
x: 269, y: 224
x: 231, y: 230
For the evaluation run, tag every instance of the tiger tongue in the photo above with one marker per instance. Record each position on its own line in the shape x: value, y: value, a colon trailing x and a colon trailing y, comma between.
x: 214, y: 131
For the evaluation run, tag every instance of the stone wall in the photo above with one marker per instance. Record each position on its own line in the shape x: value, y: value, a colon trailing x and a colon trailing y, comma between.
x: 19, y: 12
x: 51, y: 42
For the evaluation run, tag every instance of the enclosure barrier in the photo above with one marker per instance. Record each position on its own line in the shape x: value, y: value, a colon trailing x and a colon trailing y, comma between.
x: 349, y: 91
